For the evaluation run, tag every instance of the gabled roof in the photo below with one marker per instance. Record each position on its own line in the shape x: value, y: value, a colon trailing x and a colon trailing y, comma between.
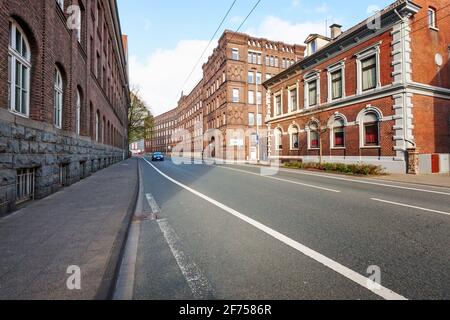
x: 363, y: 24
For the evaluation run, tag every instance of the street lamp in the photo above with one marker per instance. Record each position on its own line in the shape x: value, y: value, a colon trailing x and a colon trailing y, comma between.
x: 257, y: 114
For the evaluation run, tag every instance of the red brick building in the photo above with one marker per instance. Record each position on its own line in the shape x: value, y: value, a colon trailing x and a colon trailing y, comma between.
x: 377, y: 93
x: 65, y: 96
x: 230, y: 96
x: 164, y: 127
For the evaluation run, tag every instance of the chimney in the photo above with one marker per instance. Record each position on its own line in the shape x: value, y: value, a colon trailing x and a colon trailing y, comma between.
x: 336, y: 31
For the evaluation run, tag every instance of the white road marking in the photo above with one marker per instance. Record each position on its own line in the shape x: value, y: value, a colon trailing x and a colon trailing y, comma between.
x: 409, y: 206
x: 152, y: 203
x: 197, y: 281
x: 280, y: 179
x: 365, y: 182
x: 327, y: 262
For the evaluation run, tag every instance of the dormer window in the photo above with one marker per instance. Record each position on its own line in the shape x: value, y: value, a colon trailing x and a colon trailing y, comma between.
x: 314, y: 47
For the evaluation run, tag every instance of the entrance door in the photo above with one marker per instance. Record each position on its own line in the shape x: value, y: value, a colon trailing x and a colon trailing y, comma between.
x: 435, y: 166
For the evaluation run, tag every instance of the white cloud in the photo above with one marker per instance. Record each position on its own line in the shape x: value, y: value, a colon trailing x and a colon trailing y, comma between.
x: 321, y: 8
x: 161, y: 76
x: 275, y: 28
x: 295, y: 3
x: 236, y: 19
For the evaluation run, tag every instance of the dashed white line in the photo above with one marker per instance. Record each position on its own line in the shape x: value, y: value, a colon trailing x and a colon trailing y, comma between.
x: 152, y: 203
x: 410, y: 206
x: 327, y: 262
x: 280, y: 179
x: 197, y: 281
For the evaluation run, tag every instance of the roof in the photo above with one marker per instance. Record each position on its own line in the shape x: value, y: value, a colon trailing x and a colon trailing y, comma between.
x: 342, y: 36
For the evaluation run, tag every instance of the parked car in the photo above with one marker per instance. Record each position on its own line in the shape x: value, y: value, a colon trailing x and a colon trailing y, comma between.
x: 157, y: 156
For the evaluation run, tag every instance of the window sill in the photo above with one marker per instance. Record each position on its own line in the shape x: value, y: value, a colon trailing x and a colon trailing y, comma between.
x: 370, y: 147
x: 313, y: 149
x: 25, y: 116
x: 338, y: 148
x: 434, y: 29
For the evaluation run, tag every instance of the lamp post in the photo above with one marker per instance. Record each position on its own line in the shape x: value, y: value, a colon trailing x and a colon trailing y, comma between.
x: 257, y: 114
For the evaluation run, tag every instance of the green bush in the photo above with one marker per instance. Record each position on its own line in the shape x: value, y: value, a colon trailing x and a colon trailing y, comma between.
x: 355, y: 169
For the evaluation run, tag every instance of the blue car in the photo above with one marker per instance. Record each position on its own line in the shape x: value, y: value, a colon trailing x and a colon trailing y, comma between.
x: 157, y: 156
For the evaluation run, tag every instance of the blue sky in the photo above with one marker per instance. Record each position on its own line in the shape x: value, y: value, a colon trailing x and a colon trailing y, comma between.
x: 167, y: 37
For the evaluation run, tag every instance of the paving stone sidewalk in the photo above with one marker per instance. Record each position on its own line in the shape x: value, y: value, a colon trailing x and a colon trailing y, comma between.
x: 83, y: 225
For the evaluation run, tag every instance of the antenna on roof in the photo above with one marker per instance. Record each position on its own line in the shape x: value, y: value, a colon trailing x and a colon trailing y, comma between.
x: 326, y: 27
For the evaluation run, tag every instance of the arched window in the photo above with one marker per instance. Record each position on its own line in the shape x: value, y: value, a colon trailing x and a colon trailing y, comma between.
x: 338, y: 135
x: 278, y: 139
x: 313, y: 136
x: 78, y: 112
x: 371, y: 129
x: 294, y: 137
x: 58, y: 99
x: 97, y: 126
x: 19, y: 65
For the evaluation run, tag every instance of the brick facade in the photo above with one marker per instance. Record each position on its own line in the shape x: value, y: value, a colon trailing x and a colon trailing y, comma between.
x: 211, y: 101
x: 31, y: 141
x: 410, y: 98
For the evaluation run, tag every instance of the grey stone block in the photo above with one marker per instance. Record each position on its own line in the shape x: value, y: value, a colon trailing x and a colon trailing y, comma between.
x: 27, y: 161
x: 7, y: 177
x: 5, y: 129
x: 30, y: 134
x: 18, y: 132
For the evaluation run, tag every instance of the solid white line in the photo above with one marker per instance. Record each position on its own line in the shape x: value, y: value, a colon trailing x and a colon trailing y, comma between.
x: 409, y: 206
x: 280, y: 179
x: 197, y: 281
x: 365, y: 182
x: 327, y: 262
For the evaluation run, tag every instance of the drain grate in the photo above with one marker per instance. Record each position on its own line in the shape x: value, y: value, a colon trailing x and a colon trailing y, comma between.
x: 147, y: 216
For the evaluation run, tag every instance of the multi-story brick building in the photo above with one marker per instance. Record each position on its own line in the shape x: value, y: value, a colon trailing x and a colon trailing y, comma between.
x: 65, y: 96
x: 378, y: 93
x: 230, y: 95
x: 162, y: 132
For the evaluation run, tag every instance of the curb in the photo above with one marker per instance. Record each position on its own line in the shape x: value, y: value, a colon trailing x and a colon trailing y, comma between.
x: 108, y: 283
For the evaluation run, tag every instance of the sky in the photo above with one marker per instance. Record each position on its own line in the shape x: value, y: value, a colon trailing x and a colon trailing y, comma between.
x: 167, y: 38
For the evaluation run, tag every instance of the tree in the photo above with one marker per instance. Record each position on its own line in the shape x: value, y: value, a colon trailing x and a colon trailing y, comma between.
x: 140, y: 119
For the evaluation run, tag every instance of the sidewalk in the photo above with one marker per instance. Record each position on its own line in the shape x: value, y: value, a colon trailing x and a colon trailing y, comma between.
x: 436, y: 180
x: 83, y: 225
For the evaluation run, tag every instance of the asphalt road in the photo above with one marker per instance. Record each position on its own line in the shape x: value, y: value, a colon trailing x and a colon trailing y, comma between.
x: 226, y: 232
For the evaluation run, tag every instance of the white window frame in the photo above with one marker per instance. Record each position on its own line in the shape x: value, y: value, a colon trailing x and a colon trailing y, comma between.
x: 251, y: 77
x: 432, y: 15
x: 363, y: 55
x: 294, y: 129
x: 278, y: 137
x: 251, y: 97
x: 361, y: 123
x: 251, y: 115
x: 308, y: 131
x: 338, y: 117
x: 233, y: 52
x: 58, y: 98
x: 311, y: 77
x: 236, y: 98
x: 332, y: 69
x: 15, y: 57
x: 290, y: 89
x: 275, y: 106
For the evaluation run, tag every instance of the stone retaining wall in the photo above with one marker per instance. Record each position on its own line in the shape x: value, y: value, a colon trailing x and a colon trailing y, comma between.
x: 44, y: 149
